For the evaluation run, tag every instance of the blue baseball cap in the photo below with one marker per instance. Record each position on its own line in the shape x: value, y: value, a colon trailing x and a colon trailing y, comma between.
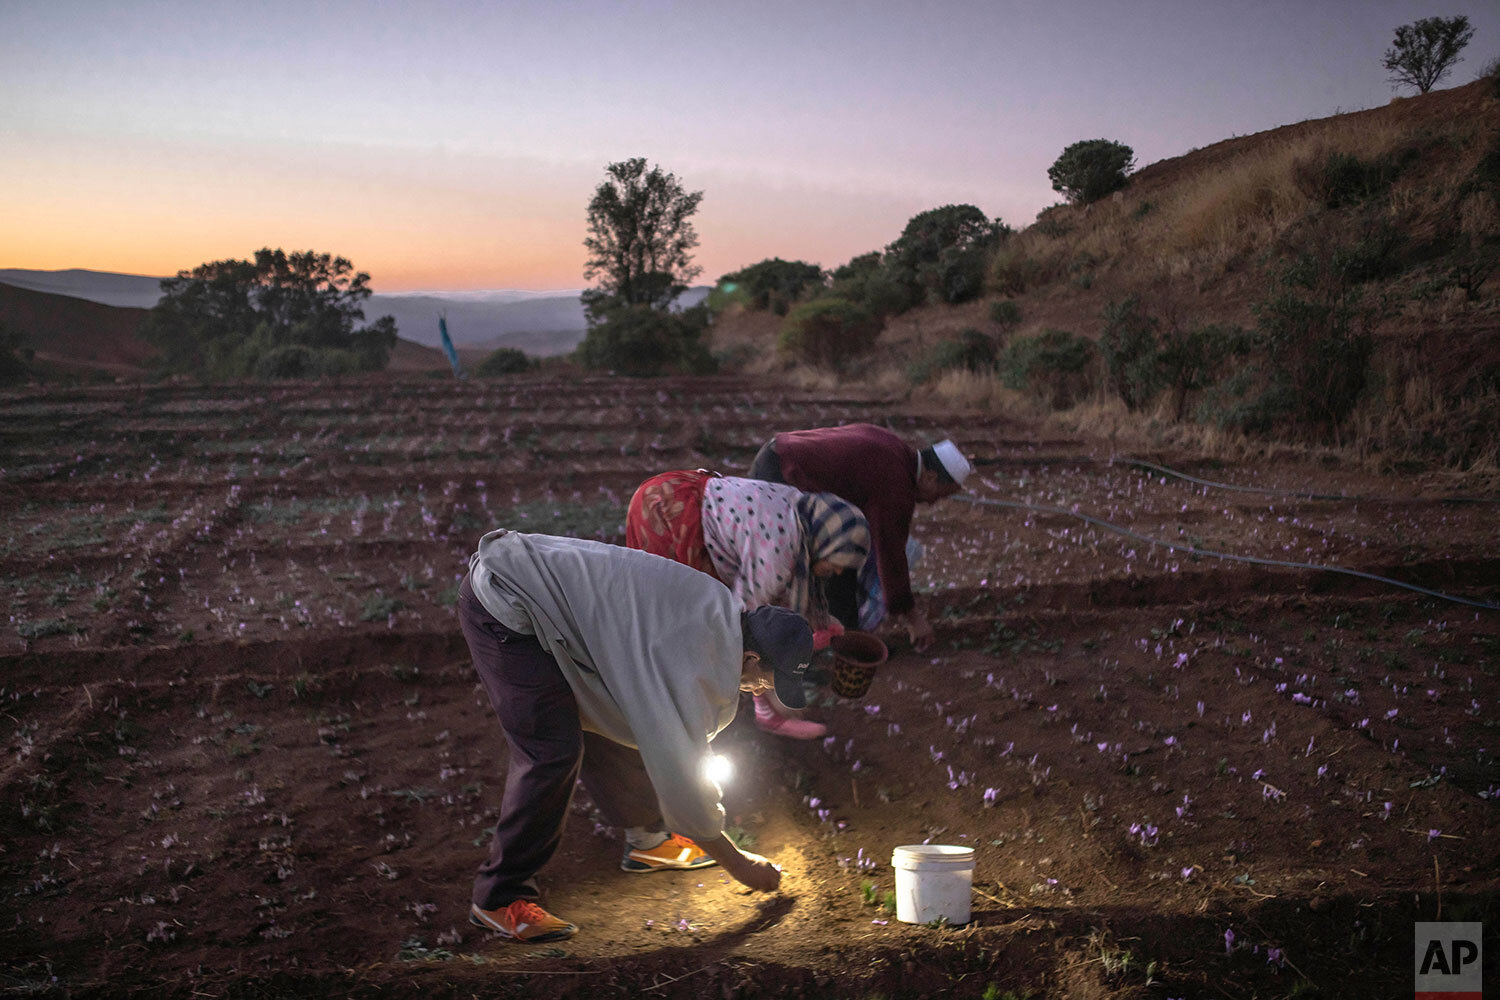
x: 783, y: 640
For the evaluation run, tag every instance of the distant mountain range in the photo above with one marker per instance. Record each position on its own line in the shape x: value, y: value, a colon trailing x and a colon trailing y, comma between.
x: 539, y: 323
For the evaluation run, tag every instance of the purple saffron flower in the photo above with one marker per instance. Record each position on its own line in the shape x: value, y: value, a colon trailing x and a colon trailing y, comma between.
x: 1229, y: 941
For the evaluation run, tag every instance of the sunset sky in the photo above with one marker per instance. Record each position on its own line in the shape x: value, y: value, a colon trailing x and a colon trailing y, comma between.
x: 455, y: 145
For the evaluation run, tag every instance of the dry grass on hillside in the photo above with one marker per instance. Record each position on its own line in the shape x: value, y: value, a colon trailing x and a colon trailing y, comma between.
x: 1191, y: 219
x: 1200, y: 239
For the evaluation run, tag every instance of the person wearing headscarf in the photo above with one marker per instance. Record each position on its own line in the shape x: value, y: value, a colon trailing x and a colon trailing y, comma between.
x: 884, y: 477
x: 769, y: 543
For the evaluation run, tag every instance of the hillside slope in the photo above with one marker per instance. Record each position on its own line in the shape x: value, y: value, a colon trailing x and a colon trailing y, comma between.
x: 77, y: 336
x: 1381, y: 225
x: 75, y: 333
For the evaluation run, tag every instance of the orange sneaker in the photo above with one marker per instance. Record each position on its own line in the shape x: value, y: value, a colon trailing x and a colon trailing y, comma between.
x: 675, y: 853
x: 522, y: 920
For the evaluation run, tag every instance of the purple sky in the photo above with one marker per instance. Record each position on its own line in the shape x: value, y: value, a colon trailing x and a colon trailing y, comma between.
x: 456, y: 145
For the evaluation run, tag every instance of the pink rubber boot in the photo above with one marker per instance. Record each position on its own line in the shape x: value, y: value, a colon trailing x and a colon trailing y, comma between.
x: 772, y: 721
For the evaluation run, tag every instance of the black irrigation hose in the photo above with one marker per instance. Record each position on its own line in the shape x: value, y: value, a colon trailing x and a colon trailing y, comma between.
x: 1255, y: 560
x: 1269, y: 491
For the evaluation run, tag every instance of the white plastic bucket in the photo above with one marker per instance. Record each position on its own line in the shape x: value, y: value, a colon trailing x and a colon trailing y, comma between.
x: 933, y: 881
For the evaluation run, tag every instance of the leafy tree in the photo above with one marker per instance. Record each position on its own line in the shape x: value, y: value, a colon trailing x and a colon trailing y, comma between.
x: 224, y: 317
x: 1424, y: 51
x: 642, y: 340
x: 1194, y: 358
x: 1090, y: 169
x: 942, y: 252
x: 640, y: 235
x: 773, y: 283
x: 505, y: 361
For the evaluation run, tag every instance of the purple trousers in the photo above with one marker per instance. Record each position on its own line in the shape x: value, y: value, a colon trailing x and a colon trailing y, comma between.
x: 549, y: 752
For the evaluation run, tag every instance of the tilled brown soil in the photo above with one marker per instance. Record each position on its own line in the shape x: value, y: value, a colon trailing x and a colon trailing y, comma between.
x: 247, y: 756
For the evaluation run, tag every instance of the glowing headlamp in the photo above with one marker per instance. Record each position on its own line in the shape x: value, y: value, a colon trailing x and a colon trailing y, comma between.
x: 717, y: 769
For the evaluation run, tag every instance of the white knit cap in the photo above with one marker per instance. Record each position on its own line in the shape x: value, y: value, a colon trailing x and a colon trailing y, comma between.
x: 952, y: 460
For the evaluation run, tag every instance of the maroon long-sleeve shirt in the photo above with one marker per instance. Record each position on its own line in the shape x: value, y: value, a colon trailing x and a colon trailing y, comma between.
x: 877, y: 472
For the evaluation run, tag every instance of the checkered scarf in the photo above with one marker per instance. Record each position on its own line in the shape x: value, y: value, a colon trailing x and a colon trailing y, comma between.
x: 835, y: 530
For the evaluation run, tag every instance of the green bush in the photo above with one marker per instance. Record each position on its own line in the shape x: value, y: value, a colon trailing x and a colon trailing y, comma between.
x: 1013, y: 270
x: 1088, y: 170
x: 1193, y: 359
x: 970, y: 350
x: 1005, y: 314
x: 1345, y: 179
x: 829, y: 332
x: 869, y: 284
x: 1247, y: 400
x: 1052, y: 365
x: 1128, y: 344
x: 293, y: 361
x: 1315, y: 330
x: 642, y: 341
x: 505, y: 361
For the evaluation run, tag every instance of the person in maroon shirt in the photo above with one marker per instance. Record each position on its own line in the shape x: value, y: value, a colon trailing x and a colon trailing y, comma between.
x: 885, y: 478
